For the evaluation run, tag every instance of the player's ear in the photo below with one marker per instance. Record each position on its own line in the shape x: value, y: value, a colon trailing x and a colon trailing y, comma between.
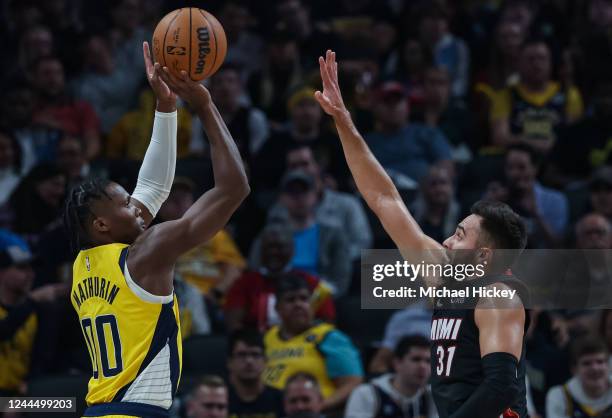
x: 484, y: 255
x: 100, y: 224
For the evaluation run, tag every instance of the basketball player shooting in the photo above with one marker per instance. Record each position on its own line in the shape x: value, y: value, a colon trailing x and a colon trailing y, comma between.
x: 478, y: 353
x: 122, y: 277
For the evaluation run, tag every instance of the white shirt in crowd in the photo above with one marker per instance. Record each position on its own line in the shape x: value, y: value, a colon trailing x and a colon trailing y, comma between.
x: 556, y: 401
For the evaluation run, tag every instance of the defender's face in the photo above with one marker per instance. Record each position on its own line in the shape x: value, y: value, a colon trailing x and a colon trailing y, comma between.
x: 118, y: 216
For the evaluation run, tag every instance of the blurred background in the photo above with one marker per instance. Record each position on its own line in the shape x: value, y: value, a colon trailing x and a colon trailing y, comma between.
x: 459, y: 100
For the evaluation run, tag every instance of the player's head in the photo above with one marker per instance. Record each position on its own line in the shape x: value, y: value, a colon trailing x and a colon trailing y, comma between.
x: 16, y: 274
x: 411, y: 360
x: 302, y: 394
x: 101, y: 212
x: 293, y: 302
x: 209, y: 399
x: 246, y: 356
x: 589, y: 358
x: 491, y: 226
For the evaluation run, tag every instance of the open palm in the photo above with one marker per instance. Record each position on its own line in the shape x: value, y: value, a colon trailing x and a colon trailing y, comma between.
x: 331, y: 98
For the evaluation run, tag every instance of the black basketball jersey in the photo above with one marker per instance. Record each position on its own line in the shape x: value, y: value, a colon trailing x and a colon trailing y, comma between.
x: 456, y: 367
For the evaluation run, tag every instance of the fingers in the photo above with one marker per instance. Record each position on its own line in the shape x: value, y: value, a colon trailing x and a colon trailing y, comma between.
x: 325, y: 78
x: 146, y: 53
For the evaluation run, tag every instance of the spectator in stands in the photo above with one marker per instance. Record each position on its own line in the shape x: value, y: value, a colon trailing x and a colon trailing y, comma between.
x: 35, y: 43
x: 38, y: 200
x: 435, y: 208
x: 251, y: 299
x: 303, y: 395
x: 594, y: 232
x: 36, y: 143
x: 247, y: 124
x: 56, y: 109
x: 588, y: 392
x: 532, y: 111
x: 448, y: 51
x: 336, y: 208
x: 303, y: 129
x: 449, y: 115
x: 130, y: 137
x: 321, y: 248
x: 587, y: 145
x: 404, y: 393
x: 192, y: 309
x: 213, y: 266
x: 544, y: 210
x: 280, y: 74
x: 71, y: 159
x: 244, y: 47
x: 412, y: 320
x: 249, y: 397
x: 404, y: 149
x: 601, y: 191
x: 409, y: 69
x: 208, y: 399
x: 10, y: 165
x: 19, y: 321
x: 298, y: 344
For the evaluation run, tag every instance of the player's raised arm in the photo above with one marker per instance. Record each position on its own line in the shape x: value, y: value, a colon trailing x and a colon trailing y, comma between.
x: 165, y: 242
x: 157, y: 170
x: 372, y: 181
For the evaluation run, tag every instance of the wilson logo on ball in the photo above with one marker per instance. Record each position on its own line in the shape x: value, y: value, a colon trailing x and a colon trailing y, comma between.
x: 176, y: 50
x: 203, y: 48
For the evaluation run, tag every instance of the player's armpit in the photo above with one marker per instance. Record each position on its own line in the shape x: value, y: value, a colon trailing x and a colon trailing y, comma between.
x: 500, y: 323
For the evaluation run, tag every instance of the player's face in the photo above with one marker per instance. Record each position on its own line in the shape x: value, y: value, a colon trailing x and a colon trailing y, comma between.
x: 302, y: 396
x: 414, y: 368
x: 247, y: 362
x: 208, y: 402
x: 118, y: 216
x: 294, y: 309
x: 461, y: 245
x: 592, y: 369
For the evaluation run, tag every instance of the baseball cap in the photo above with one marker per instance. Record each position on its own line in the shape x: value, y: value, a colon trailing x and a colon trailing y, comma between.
x: 13, y: 250
x: 297, y: 177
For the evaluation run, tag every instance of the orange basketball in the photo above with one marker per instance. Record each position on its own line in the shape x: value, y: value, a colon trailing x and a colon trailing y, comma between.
x: 190, y: 39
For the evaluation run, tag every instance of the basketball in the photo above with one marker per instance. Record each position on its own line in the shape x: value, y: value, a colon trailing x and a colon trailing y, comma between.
x: 190, y: 39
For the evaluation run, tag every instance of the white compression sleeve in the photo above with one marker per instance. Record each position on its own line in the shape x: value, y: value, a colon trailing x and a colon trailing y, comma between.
x: 157, y: 170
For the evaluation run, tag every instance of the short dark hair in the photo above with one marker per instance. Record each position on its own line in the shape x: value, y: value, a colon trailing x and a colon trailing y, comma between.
x: 248, y: 336
x: 302, y: 376
x: 504, y: 226
x: 534, y: 156
x: 408, y: 342
x: 77, y: 211
x: 585, y: 346
x: 291, y: 282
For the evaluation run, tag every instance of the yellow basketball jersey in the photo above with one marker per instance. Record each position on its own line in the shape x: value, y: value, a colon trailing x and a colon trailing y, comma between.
x: 15, y: 353
x: 298, y: 354
x: 133, y: 337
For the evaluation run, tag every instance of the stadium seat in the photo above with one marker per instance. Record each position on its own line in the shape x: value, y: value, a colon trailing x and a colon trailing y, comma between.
x: 204, y: 355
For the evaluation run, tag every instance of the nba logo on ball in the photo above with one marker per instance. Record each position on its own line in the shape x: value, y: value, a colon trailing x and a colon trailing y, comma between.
x: 190, y: 40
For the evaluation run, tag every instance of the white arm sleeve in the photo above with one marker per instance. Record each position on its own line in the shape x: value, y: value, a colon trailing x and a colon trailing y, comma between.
x: 157, y: 170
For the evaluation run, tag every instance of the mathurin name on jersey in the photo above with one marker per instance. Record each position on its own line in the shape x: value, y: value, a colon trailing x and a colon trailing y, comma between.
x: 444, y: 292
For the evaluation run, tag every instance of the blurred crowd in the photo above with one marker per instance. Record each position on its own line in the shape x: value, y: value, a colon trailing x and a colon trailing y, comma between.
x: 458, y: 100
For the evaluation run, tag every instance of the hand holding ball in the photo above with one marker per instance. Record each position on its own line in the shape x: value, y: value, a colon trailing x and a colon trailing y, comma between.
x: 192, y: 40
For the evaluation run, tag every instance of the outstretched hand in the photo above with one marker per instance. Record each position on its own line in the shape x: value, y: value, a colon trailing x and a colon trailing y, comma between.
x: 331, y: 97
x: 193, y: 92
x: 163, y: 93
